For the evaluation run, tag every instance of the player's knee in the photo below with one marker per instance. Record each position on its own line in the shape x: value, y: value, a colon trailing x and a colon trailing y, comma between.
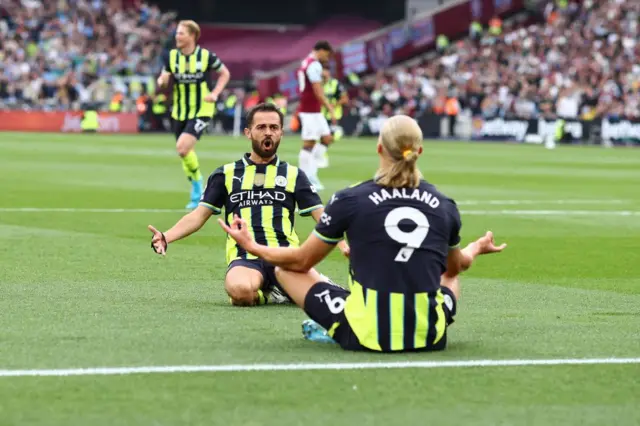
x: 279, y: 273
x: 282, y: 275
x: 327, y: 140
x: 182, y: 149
x: 241, y: 293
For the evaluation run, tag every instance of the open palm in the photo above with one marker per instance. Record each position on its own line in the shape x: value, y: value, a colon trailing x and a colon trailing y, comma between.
x: 158, y: 241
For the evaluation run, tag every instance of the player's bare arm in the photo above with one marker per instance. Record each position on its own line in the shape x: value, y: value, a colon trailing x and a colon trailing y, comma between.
x: 296, y: 259
x: 459, y: 260
x: 186, y: 226
x: 223, y: 79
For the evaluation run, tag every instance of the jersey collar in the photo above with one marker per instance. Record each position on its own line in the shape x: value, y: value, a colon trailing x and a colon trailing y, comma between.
x: 195, y: 51
x: 247, y: 160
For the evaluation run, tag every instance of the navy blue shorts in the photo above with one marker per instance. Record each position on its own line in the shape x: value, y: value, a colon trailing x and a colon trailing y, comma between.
x: 194, y: 127
x: 325, y: 302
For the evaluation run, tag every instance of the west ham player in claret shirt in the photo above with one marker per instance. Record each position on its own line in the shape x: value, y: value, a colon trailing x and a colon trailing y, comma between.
x: 314, y: 126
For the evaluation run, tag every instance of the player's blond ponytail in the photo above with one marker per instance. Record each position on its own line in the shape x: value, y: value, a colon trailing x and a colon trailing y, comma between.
x: 401, y: 138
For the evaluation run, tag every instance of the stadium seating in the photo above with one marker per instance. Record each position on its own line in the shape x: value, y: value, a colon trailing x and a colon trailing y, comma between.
x: 62, y: 55
x: 536, y: 70
x: 541, y: 70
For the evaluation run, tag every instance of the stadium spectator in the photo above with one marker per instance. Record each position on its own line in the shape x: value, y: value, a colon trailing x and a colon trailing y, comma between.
x: 580, y: 63
x: 72, y: 53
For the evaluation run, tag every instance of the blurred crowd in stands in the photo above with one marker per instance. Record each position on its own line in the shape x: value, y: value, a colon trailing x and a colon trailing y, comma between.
x: 582, y: 62
x: 71, y: 54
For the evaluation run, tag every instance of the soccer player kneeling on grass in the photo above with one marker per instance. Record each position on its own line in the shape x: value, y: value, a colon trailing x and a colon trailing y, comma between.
x: 264, y: 191
x: 404, y: 256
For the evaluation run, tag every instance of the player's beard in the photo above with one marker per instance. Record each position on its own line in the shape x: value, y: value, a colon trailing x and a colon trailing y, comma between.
x: 265, y: 148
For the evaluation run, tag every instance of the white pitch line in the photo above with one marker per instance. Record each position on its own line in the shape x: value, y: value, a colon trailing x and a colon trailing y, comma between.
x: 464, y: 212
x: 86, y: 210
x: 552, y: 212
x: 536, y: 202
x: 114, y: 371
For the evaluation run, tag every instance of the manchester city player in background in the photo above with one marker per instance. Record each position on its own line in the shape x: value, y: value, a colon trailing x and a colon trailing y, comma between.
x: 193, y: 99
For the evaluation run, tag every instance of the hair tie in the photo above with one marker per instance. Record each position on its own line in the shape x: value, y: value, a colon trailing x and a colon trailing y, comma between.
x: 406, y: 153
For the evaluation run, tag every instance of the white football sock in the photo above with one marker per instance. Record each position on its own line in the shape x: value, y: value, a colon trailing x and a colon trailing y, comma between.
x: 307, y: 164
x: 319, y: 150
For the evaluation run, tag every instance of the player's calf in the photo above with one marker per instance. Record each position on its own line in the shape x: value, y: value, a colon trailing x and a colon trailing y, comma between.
x: 185, y: 144
x: 308, y: 145
x: 191, y: 166
x: 326, y: 140
x: 297, y: 284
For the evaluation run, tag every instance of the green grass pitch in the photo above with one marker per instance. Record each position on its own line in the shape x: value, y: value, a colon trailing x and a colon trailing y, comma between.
x: 81, y: 288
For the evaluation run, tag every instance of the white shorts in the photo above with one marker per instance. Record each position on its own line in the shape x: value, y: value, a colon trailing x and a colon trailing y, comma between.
x: 314, y: 126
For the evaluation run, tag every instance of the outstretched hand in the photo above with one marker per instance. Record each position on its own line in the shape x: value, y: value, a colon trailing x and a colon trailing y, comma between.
x: 238, y: 230
x: 487, y: 245
x: 158, y: 241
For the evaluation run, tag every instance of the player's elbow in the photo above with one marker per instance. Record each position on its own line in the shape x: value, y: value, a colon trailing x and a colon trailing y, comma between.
x: 225, y: 73
x: 451, y: 272
x: 301, y: 266
x: 458, y: 266
x: 455, y: 264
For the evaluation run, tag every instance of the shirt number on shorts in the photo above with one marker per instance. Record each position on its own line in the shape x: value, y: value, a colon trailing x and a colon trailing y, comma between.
x: 200, y: 125
x: 411, y: 240
x: 335, y: 305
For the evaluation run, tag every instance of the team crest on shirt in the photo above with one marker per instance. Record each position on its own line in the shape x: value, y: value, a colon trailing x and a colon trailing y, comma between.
x: 281, y: 181
x: 258, y: 180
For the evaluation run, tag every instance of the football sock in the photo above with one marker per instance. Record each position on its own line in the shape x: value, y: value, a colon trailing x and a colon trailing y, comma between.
x: 191, y: 166
x: 319, y: 150
x: 307, y: 163
x: 261, y: 299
